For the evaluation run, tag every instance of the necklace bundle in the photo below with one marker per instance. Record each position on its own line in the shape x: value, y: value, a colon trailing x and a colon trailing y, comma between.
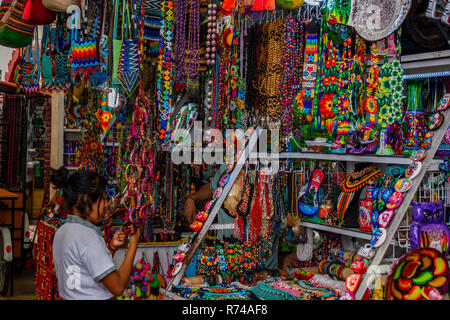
x: 268, y: 73
x: 353, y: 182
x: 371, y: 104
x: 180, y: 44
x: 291, y: 62
x: 165, y: 72
x: 193, y: 48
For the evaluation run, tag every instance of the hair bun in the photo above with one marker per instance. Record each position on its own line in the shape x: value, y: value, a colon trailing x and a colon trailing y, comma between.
x: 59, y: 177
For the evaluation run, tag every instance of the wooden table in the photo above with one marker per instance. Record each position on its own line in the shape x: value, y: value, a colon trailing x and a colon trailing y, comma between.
x: 6, y: 195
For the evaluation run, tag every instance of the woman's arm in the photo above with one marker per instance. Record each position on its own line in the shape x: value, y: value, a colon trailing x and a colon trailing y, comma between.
x: 205, y: 193
x: 116, y: 281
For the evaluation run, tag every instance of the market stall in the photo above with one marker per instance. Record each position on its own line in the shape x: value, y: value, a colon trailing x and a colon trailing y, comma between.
x: 319, y: 130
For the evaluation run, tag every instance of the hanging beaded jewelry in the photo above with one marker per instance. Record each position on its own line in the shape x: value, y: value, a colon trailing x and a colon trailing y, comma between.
x: 165, y: 72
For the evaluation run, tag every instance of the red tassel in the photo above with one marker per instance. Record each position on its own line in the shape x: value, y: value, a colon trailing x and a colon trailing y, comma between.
x: 228, y: 5
x: 257, y: 5
x: 269, y: 4
x: 27, y: 11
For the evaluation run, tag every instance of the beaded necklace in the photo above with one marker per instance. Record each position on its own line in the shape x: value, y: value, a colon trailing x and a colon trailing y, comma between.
x: 352, y: 183
x: 371, y: 104
x: 267, y: 212
x: 268, y: 78
x: 165, y: 72
x: 291, y: 62
x: 193, y: 48
x: 180, y: 42
x: 256, y: 211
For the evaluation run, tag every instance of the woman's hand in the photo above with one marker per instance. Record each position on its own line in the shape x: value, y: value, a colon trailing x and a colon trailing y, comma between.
x: 190, y: 210
x: 135, y: 236
x: 119, y: 238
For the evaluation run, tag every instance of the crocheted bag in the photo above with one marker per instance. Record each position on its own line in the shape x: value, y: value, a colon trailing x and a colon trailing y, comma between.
x: 60, y: 5
x: 47, y: 66
x: 83, y: 55
x: 128, y: 67
x: 29, y: 70
x: 14, y: 31
x: 61, y: 56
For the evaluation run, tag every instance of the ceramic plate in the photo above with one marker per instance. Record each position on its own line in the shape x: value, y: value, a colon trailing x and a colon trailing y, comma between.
x: 381, y: 238
x: 403, y: 185
x: 376, y: 19
x: 418, y: 155
x: 177, y: 268
x: 435, y: 121
x: 385, y: 218
x: 394, y: 201
x: 445, y: 103
x: 413, y: 170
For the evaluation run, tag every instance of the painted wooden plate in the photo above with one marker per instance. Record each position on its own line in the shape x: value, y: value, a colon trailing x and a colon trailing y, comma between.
x: 435, y: 121
x: 413, y: 170
x: 403, y: 185
x: 394, y: 201
x: 418, y: 155
x: 445, y: 103
x: 385, y: 218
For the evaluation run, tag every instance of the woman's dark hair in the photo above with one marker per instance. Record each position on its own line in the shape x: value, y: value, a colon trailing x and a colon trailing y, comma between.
x: 76, y: 186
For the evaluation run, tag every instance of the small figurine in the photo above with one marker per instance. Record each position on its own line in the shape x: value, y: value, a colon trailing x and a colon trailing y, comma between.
x: 325, y: 210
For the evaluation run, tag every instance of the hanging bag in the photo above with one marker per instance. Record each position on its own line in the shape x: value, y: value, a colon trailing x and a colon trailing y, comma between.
x: 99, y: 78
x: 60, y: 5
x: 60, y: 45
x: 116, y: 45
x: 28, y: 73
x: 47, y: 66
x: 129, y: 64
x: 14, y: 31
x: 83, y: 58
x: 36, y: 14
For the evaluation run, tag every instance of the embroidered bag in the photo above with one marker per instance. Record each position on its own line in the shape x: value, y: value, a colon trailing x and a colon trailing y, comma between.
x: 14, y: 31
x: 47, y: 66
x: 30, y: 69
x: 61, y: 57
x: 129, y: 67
x: 83, y: 54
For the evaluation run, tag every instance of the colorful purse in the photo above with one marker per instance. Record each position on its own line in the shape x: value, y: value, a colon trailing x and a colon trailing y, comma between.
x: 47, y: 65
x: 61, y: 57
x: 129, y: 65
x: 60, y: 5
x: 83, y: 58
x: 35, y: 13
x: 30, y: 71
x: 14, y: 31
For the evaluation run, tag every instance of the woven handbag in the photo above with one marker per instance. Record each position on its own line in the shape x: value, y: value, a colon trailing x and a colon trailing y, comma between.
x: 28, y: 72
x: 47, y: 65
x: 60, y: 5
x: 128, y: 67
x: 14, y: 31
x: 99, y: 78
x: 83, y: 58
x: 36, y: 14
x: 60, y: 46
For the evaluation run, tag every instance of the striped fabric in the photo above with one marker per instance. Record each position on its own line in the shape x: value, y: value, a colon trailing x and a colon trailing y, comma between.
x: 15, y: 21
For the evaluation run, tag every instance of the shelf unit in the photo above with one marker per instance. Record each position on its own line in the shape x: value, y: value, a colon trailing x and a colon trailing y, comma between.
x: 391, y: 230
